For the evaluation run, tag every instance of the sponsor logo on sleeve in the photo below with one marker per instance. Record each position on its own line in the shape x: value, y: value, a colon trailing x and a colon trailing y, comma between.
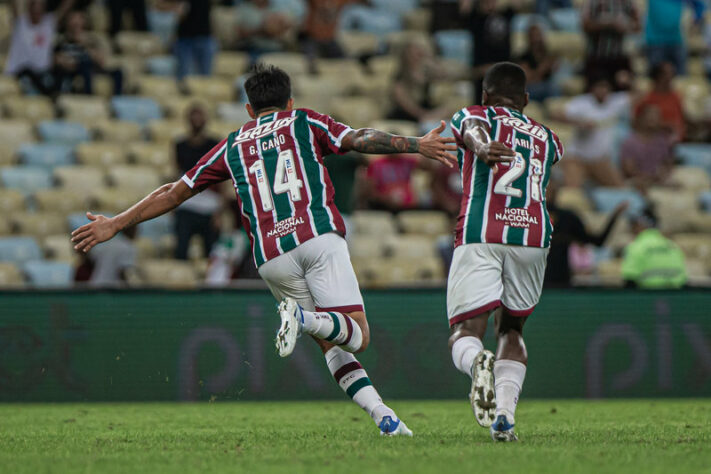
x: 263, y: 130
x: 531, y: 129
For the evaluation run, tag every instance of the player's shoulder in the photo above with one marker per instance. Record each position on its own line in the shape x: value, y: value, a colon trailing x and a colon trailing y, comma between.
x: 471, y: 112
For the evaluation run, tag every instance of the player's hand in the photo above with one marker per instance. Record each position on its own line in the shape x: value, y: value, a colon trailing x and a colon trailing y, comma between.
x: 495, y: 152
x: 435, y: 147
x: 100, y: 229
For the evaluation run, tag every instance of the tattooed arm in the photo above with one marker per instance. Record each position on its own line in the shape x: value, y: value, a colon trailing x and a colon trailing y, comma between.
x: 475, y: 135
x: 102, y: 228
x: 432, y: 145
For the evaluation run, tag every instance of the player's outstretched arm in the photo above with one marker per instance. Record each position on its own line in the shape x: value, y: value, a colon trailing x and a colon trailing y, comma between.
x: 102, y: 228
x: 432, y: 146
x: 476, y: 137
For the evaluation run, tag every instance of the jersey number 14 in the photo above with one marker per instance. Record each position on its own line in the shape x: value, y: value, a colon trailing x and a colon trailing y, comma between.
x: 516, y: 169
x: 286, y: 179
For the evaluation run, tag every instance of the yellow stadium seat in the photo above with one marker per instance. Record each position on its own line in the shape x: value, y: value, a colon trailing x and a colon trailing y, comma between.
x: 397, y: 40
x: 176, y: 107
x: 322, y: 85
x: 155, y: 155
x: 536, y: 111
x: 555, y: 106
x: 101, y: 154
x: 115, y: 200
x: 424, y: 222
x: 9, y: 86
x: 696, y: 247
x: 694, y: 92
x: 574, y: 85
x: 62, y: 201
x: 14, y: 133
x: 230, y: 64
x: 366, y: 246
x: 166, y: 131
x: 373, y: 223
x: 38, y: 224
x: 293, y: 63
x: 221, y: 129
x: 7, y: 156
x: 11, y: 201
x: 213, y: 89
x: 398, y: 127
x: 570, y: 45
x: 610, y: 272
x: 574, y: 199
x: 358, y: 43
x: 384, y: 65
x: 224, y: 25
x: 10, y: 276
x: 33, y: 108
x: 81, y: 179
x: 5, y: 225
x: 157, y: 86
x: 357, y: 112
x: 417, y: 19
x: 700, y: 222
x: 410, y: 246
x: 139, y: 43
x: 690, y: 178
x: 408, y: 271
x: 168, y: 273
x: 140, y: 178
x: 86, y: 109
x: 117, y: 131
x: 59, y: 248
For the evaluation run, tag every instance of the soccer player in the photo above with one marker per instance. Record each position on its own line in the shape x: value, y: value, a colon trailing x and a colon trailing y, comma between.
x: 276, y: 165
x: 501, y: 239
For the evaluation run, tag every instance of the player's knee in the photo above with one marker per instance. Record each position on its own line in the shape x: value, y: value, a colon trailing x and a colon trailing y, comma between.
x: 360, y: 319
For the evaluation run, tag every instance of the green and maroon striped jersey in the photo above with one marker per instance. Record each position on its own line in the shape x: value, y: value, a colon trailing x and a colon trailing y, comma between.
x: 506, y: 204
x: 283, y: 188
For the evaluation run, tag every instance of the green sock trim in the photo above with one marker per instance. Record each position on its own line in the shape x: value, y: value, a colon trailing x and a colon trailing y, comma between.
x: 336, y: 327
x: 357, y: 385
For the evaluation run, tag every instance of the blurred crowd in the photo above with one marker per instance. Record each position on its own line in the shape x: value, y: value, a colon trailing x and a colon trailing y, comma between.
x: 616, y: 79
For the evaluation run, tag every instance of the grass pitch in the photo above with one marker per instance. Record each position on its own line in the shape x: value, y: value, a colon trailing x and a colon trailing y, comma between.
x: 556, y: 436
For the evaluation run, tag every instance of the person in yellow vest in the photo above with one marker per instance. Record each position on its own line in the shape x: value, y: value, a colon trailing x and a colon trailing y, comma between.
x: 651, y: 261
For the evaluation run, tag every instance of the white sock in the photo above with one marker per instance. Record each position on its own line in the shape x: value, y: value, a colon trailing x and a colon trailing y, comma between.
x: 333, y: 327
x: 508, y: 380
x: 353, y: 380
x: 464, y: 350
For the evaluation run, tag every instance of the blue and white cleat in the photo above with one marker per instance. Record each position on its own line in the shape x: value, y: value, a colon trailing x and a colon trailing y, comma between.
x: 502, y: 429
x: 482, y: 395
x: 393, y: 427
x: 290, y: 329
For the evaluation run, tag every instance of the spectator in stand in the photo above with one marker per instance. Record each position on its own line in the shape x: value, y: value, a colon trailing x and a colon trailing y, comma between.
x: 662, y: 33
x: 544, y: 6
x: 195, y: 47
x: 589, y: 153
x: 138, y: 12
x: 78, y: 54
x: 33, y: 35
x: 446, y: 187
x: 646, y: 155
x: 669, y: 102
x: 114, y: 260
x: 651, y: 261
x: 388, y: 183
x: 539, y: 64
x: 491, y: 31
x: 606, y: 23
x: 570, y: 232
x: 411, y: 87
x: 319, y: 34
x: 262, y: 27
x: 197, y: 216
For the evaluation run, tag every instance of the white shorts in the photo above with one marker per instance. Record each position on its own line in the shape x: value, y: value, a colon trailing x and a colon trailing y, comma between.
x: 486, y: 276
x: 318, y: 274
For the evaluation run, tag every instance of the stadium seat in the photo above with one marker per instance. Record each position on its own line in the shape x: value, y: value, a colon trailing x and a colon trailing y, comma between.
x: 8, y: 157
x: 10, y: 276
x: 14, y: 133
x: 694, y: 154
x: 233, y: 112
x: 176, y: 107
x: 139, y: 43
x: 165, y: 66
x: 163, y: 24
x: 410, y: 246
x: 355, y: 111
x: 117, y: 131
x: 178, y: 274
x: 5, y: 225
x: 230, y: 64
x: 136, y: 109
x: 101, y: 154
x: 19, y: 249
x: 157, y: 86
x: 157, y: 156
x: 213, y: 89
x: 293, y: 63
x: 59, y: 248
x: 536, y: 111
x: 398, y: 127
x: 573, y: 199
x: 373, y: 223
x: 521, y: 22
x: 455, y: 44
x: 85, y: 109
x: 383, y: 65
x: 566, y: 19
x: 158, y: 228
x: 115, y: 200
x: 39, y: 224
x: 565, y: 44
x: 140, y: 178
x: 366, y: 246
x: 359, y: 43
x: 424, y: 222
x: 694, y: 91
x: 48, y: 274
x: 166, y: 131
x: 610, y: 272
x: 417, y: 19
x: 25, y: 179
x: 221, y: 129
x: 81, y: 179
x: 46, y: 155
x: 33, y: 108
x: 395, y: 7
x: 696, y: 247
x: 606, y: 199
x: 369, y: 20
x: 555, y: 106
x: 224, y: 25
x: 11, y: 201
x: 705, y: 199
x: 399, y: 271
x: 690, y: 178
x: 573, y: 85
x: 9, y: 86
x: 60, y: 201
x: 63, y: 132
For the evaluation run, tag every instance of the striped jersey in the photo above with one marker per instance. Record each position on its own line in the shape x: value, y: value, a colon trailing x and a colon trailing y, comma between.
x: 276, y: 165
x: 506, y: 206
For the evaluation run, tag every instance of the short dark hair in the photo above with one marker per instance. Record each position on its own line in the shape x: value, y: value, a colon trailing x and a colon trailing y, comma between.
x: 268, y: 87
x: 507, y: 81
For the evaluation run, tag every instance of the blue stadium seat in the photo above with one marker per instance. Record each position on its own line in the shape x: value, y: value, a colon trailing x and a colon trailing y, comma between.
x: 156, y: 228
x: 63, y: 132
x: 26, y: 179
x: 46, y: 274
x: 566, y: 19
x: 46, y: 155
x: 136, y: 109
x: 455, y: 44
x: 370, y: 20
x: 296, y: 9
x: 398, y: 7
x: 706, y: 200
x: 162, y: 24
x: 162, y: 65
x: 606, y: 199
x: 522, y: 21
x: 694, y: 154
x: 19, y: 249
